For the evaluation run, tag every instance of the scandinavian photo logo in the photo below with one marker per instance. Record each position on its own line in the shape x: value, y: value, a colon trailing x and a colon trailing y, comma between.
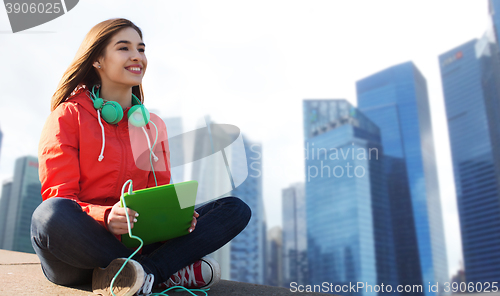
x: 24, y: 14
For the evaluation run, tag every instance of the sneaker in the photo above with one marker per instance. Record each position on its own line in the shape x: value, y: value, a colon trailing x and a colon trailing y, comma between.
x: 202, y: 274
x: 131, y: 280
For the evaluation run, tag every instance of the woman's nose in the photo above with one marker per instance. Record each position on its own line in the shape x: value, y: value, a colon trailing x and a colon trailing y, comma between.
x: 136, y: 56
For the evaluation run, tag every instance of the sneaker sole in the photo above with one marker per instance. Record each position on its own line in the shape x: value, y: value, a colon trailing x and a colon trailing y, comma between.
x: 128, y: 282
x: 214, y: 265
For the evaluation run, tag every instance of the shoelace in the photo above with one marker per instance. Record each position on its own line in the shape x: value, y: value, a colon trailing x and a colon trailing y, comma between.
x: 147, y: 287
x: 181, y: 276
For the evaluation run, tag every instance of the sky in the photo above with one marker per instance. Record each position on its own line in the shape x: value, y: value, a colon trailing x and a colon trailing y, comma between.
x: 250, y: 64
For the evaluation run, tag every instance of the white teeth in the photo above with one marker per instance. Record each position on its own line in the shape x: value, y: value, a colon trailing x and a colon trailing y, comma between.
x: 135, y: 69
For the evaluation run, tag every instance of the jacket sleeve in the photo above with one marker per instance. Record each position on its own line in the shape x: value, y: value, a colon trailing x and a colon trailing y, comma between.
x: 162, y: 167
x: 58, y: 155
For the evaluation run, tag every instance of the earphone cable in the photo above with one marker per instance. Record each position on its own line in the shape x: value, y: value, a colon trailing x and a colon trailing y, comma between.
x: 130, y: 191
x: 129, y: 233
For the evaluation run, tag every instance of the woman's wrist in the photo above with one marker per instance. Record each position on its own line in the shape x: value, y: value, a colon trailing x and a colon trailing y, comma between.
x: 106, y: 217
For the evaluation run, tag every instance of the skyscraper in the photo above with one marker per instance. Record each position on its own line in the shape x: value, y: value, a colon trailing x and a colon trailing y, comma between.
x: 470, y: 76
x: 494, y: 10
x: 213, y: 182
x: 1, y: 137
x: 274, y: 274
x: 4, y: 208
x: 396, y: 100
x: 248, y: 249
x: 349, y: 235
x: 294, y: 235
x: 174, y: 128
x: 225, y: 163
x: 23, y: 199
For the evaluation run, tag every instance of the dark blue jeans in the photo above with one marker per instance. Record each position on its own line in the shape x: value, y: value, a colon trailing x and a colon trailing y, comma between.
x: 70, y: 243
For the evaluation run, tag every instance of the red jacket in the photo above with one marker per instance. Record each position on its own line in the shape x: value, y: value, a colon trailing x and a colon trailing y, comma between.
x: 68, y: 154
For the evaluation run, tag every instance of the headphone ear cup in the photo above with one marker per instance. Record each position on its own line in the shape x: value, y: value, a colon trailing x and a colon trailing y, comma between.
x: 138, y: 116
x: 112, y: 112
x: 98, y: 103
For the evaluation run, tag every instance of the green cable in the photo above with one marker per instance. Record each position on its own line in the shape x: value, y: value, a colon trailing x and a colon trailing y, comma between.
x: 163, y: 293
x: 129, y: 233
x: 190, y: 291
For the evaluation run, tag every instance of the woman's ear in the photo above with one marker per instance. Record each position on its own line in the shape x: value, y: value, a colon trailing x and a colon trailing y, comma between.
x: 97, y: 65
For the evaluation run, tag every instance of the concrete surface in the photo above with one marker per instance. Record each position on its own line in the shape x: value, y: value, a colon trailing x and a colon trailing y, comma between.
x: 21, y: 274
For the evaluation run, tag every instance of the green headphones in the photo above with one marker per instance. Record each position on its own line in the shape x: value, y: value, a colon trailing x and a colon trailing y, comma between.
x: 112, y: 112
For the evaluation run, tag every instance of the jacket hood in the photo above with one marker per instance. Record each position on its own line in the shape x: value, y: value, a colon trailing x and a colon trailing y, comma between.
x: 82, y: 98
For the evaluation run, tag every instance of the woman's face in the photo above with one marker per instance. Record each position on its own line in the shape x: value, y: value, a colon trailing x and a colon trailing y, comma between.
x: 124, y: 61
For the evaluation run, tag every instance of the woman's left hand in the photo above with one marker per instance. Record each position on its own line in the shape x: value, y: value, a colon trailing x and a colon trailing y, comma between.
x: 194, y: 221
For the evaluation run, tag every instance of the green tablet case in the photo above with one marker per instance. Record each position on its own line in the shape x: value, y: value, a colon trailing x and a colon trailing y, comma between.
x: 165, y: 212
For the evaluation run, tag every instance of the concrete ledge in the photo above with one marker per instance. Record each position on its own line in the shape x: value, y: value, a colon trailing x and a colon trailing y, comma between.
x: 21, y: 274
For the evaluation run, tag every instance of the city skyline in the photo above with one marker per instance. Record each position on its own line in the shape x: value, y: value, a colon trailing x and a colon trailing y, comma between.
x: 273, y: 63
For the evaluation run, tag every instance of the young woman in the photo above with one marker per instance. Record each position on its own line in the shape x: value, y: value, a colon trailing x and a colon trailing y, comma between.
x: 85, y: 157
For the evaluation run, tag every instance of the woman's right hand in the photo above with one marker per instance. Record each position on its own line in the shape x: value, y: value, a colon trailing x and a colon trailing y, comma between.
x: 117, y: 221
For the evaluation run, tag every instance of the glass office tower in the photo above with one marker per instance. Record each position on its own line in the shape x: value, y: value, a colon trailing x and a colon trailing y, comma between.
x: 211, y: 174
x: 248, y: 249
x: 4, y: 208
x: 174, y: 128
x: 274, y: 273
x: 494, y: 10
x: 294, y: 235
x: 349, y: 235
x: 237, y: 172
x: 23, y: 199
x: 1, y: 137
x: 470, y: 76
x: 396, y: 100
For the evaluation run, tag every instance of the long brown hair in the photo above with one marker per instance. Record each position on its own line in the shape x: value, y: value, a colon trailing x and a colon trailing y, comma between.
x: 81, y: 73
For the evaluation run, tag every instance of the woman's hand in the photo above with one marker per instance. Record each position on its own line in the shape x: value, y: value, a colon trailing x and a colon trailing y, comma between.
x: 194, y: 221
x: 117, y: 221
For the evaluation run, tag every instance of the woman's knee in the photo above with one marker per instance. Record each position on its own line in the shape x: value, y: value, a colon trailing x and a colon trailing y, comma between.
x: 70, y: 276
x: 53, y: 211
x: 242, y: 210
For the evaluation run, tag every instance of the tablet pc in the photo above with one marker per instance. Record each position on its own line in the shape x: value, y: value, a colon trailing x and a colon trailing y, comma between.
x: 165, y: 212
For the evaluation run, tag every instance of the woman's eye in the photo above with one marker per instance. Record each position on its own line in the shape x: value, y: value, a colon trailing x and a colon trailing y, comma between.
x: 126, y: 48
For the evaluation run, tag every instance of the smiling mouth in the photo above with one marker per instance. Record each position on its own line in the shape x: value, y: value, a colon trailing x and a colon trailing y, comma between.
x: 135, y: 70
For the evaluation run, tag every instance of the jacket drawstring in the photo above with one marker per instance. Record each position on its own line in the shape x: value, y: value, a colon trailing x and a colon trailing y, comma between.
x: 101, y: 156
